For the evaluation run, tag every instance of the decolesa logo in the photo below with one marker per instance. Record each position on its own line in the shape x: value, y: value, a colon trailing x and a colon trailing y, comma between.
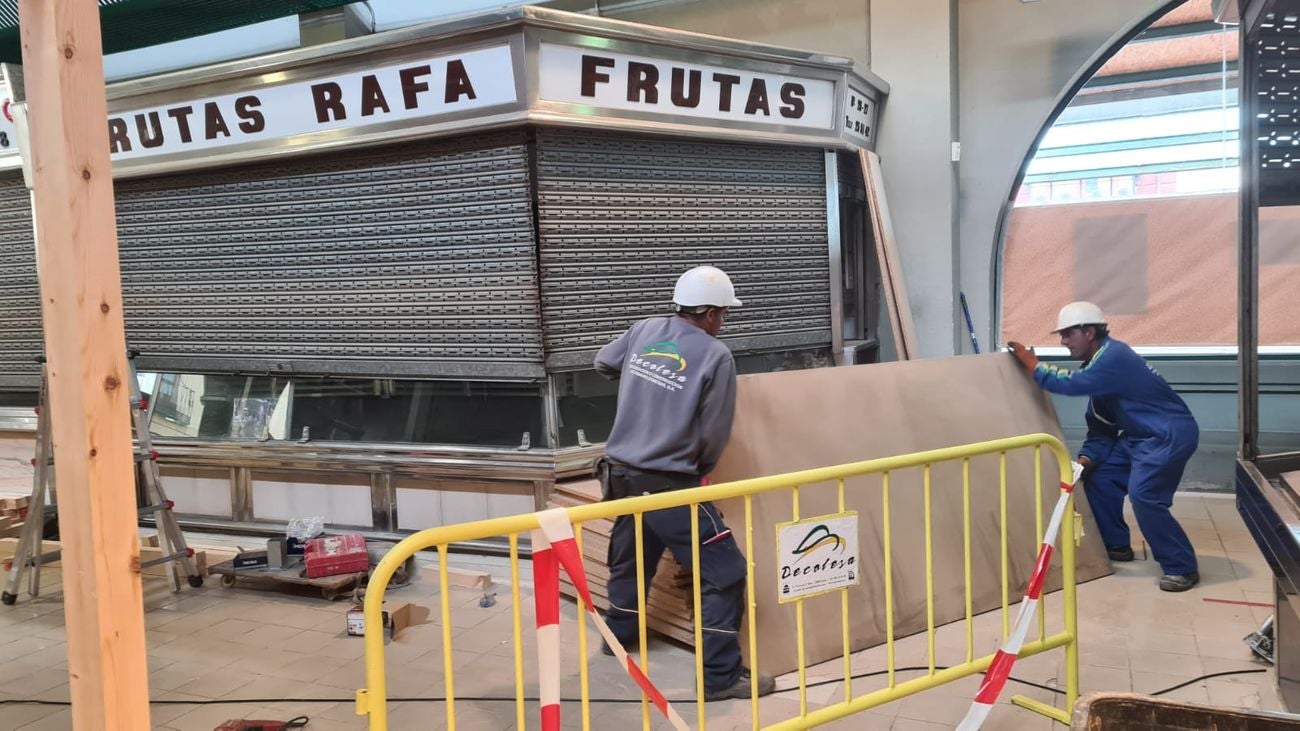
x: 665, y: 349
x: 818, y: 536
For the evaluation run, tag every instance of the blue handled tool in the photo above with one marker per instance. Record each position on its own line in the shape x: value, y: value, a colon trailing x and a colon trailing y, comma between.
x: 970, y: 326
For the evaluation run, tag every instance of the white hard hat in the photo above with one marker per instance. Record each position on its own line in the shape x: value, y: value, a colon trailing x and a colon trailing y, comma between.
x: 705, y: 286
x: 1079, y: 313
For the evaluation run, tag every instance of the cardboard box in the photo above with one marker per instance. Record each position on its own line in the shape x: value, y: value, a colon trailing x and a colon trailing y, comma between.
x: 396, y: 620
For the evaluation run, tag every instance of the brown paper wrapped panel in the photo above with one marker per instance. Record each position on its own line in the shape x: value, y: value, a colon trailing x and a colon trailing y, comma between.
x: 800, y: 420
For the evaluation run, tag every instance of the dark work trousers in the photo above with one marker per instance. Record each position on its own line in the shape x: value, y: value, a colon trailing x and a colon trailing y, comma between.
x: 722, y: 568
x: 1148, y: 471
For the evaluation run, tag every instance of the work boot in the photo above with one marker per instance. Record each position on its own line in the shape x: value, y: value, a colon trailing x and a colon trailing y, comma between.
x: 1176, y: 582
x: 605, y: 649
x: 1123, y: 553
x: 741, y: 688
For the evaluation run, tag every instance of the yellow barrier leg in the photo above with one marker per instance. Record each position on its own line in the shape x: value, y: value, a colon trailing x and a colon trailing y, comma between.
x: 844, y: 622
x: 1069, y: 594
x: 753, y: 608
x: 518, y: 632
x: 698, y: 619
x: 1070, y: 591
x: 889, y: 579
x: 1041, y: 708
x: 639, y: 536
x: 448, y: 666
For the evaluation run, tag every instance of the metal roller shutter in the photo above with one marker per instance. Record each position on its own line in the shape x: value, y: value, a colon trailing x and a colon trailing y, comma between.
x: 413, y: 260
x: 21, y: 338
x: 621, y: 217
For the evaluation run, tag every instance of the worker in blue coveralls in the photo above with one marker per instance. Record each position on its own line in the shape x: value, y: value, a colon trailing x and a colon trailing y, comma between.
x: 676, y: 401
x: 1140, y: 436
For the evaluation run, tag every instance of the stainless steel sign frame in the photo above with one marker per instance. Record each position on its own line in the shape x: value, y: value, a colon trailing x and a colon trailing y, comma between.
x: 507, y: 67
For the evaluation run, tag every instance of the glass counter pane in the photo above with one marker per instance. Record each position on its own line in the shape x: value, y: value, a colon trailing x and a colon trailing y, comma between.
x: 423, y: 412
x: 217, y: 406
x: 586, y: 401
x: 236, y: 407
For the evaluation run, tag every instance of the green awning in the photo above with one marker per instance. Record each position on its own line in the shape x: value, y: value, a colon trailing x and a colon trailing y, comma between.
x: 131, y: 24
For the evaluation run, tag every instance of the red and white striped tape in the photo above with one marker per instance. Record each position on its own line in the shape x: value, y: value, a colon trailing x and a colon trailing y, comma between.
x: 553, y: 547
x: 1000, y: 669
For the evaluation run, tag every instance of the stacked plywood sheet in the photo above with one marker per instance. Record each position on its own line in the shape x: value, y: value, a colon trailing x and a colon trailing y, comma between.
x: 668, y: 607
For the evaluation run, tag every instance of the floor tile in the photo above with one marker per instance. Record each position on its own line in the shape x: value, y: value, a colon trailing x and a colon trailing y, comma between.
x: 270, y: 648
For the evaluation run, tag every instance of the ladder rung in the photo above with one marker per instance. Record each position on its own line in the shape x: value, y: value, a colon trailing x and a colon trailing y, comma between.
x: 166, y: 559
x: 51, y: 557
x: 165, y: 505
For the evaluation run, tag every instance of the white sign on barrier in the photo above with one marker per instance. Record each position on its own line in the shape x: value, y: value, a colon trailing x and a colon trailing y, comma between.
x: 817, y: 555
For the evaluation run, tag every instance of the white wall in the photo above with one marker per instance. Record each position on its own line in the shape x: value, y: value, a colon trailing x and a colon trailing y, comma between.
x: 985, y: 73
x: 912, y: 48
x: 834, y: 27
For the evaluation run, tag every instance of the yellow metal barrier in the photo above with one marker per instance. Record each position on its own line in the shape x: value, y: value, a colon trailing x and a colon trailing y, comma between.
x: 372, y: 700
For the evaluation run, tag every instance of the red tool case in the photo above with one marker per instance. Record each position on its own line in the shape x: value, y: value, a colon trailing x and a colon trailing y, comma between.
x: 333, y: 555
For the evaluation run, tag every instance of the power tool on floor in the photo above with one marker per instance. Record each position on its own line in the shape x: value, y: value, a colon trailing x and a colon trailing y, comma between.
x: 244, y: 724
x: 1261, y: 641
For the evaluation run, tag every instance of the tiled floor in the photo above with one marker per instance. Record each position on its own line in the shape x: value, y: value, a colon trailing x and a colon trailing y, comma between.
x: 225, y: 644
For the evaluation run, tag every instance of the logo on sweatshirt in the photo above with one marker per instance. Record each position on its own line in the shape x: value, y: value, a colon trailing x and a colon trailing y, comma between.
x: 665, y: 349
x: 659, y: 363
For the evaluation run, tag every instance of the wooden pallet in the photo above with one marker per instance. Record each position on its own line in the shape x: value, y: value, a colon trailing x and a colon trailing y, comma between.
x: 331, y: 587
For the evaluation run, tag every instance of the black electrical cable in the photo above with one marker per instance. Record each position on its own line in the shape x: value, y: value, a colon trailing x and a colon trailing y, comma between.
x: 1173, y: 688
x: 504, y: 699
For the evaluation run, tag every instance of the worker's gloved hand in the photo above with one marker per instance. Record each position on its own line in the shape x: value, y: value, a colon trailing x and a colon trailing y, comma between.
x: 1026, y: 356
x: 1088, y: 466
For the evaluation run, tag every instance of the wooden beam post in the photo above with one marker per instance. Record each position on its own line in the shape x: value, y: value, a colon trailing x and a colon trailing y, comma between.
x: 85, y: 344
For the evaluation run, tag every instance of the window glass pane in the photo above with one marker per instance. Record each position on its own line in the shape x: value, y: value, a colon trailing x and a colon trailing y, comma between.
x: 348, y: 410
x: 18, y: 399
x: 423, y: 412
x: 586, y: 401
x: 784, y: 360
x: 1166, y: 149
x: 217, y: 406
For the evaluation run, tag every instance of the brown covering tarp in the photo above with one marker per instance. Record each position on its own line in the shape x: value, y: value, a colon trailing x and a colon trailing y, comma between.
x: 799, y: 420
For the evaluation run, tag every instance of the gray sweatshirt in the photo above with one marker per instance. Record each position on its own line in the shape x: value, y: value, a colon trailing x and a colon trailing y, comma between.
x: 676, y: 397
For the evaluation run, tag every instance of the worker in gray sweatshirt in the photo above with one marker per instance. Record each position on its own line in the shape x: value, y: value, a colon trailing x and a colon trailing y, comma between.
x: 676, y: 400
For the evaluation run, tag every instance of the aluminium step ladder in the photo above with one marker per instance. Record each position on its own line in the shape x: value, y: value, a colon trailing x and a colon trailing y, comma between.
x: 171, y: 540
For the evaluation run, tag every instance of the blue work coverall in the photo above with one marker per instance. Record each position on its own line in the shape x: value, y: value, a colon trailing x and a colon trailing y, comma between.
x: 1140, y: 436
